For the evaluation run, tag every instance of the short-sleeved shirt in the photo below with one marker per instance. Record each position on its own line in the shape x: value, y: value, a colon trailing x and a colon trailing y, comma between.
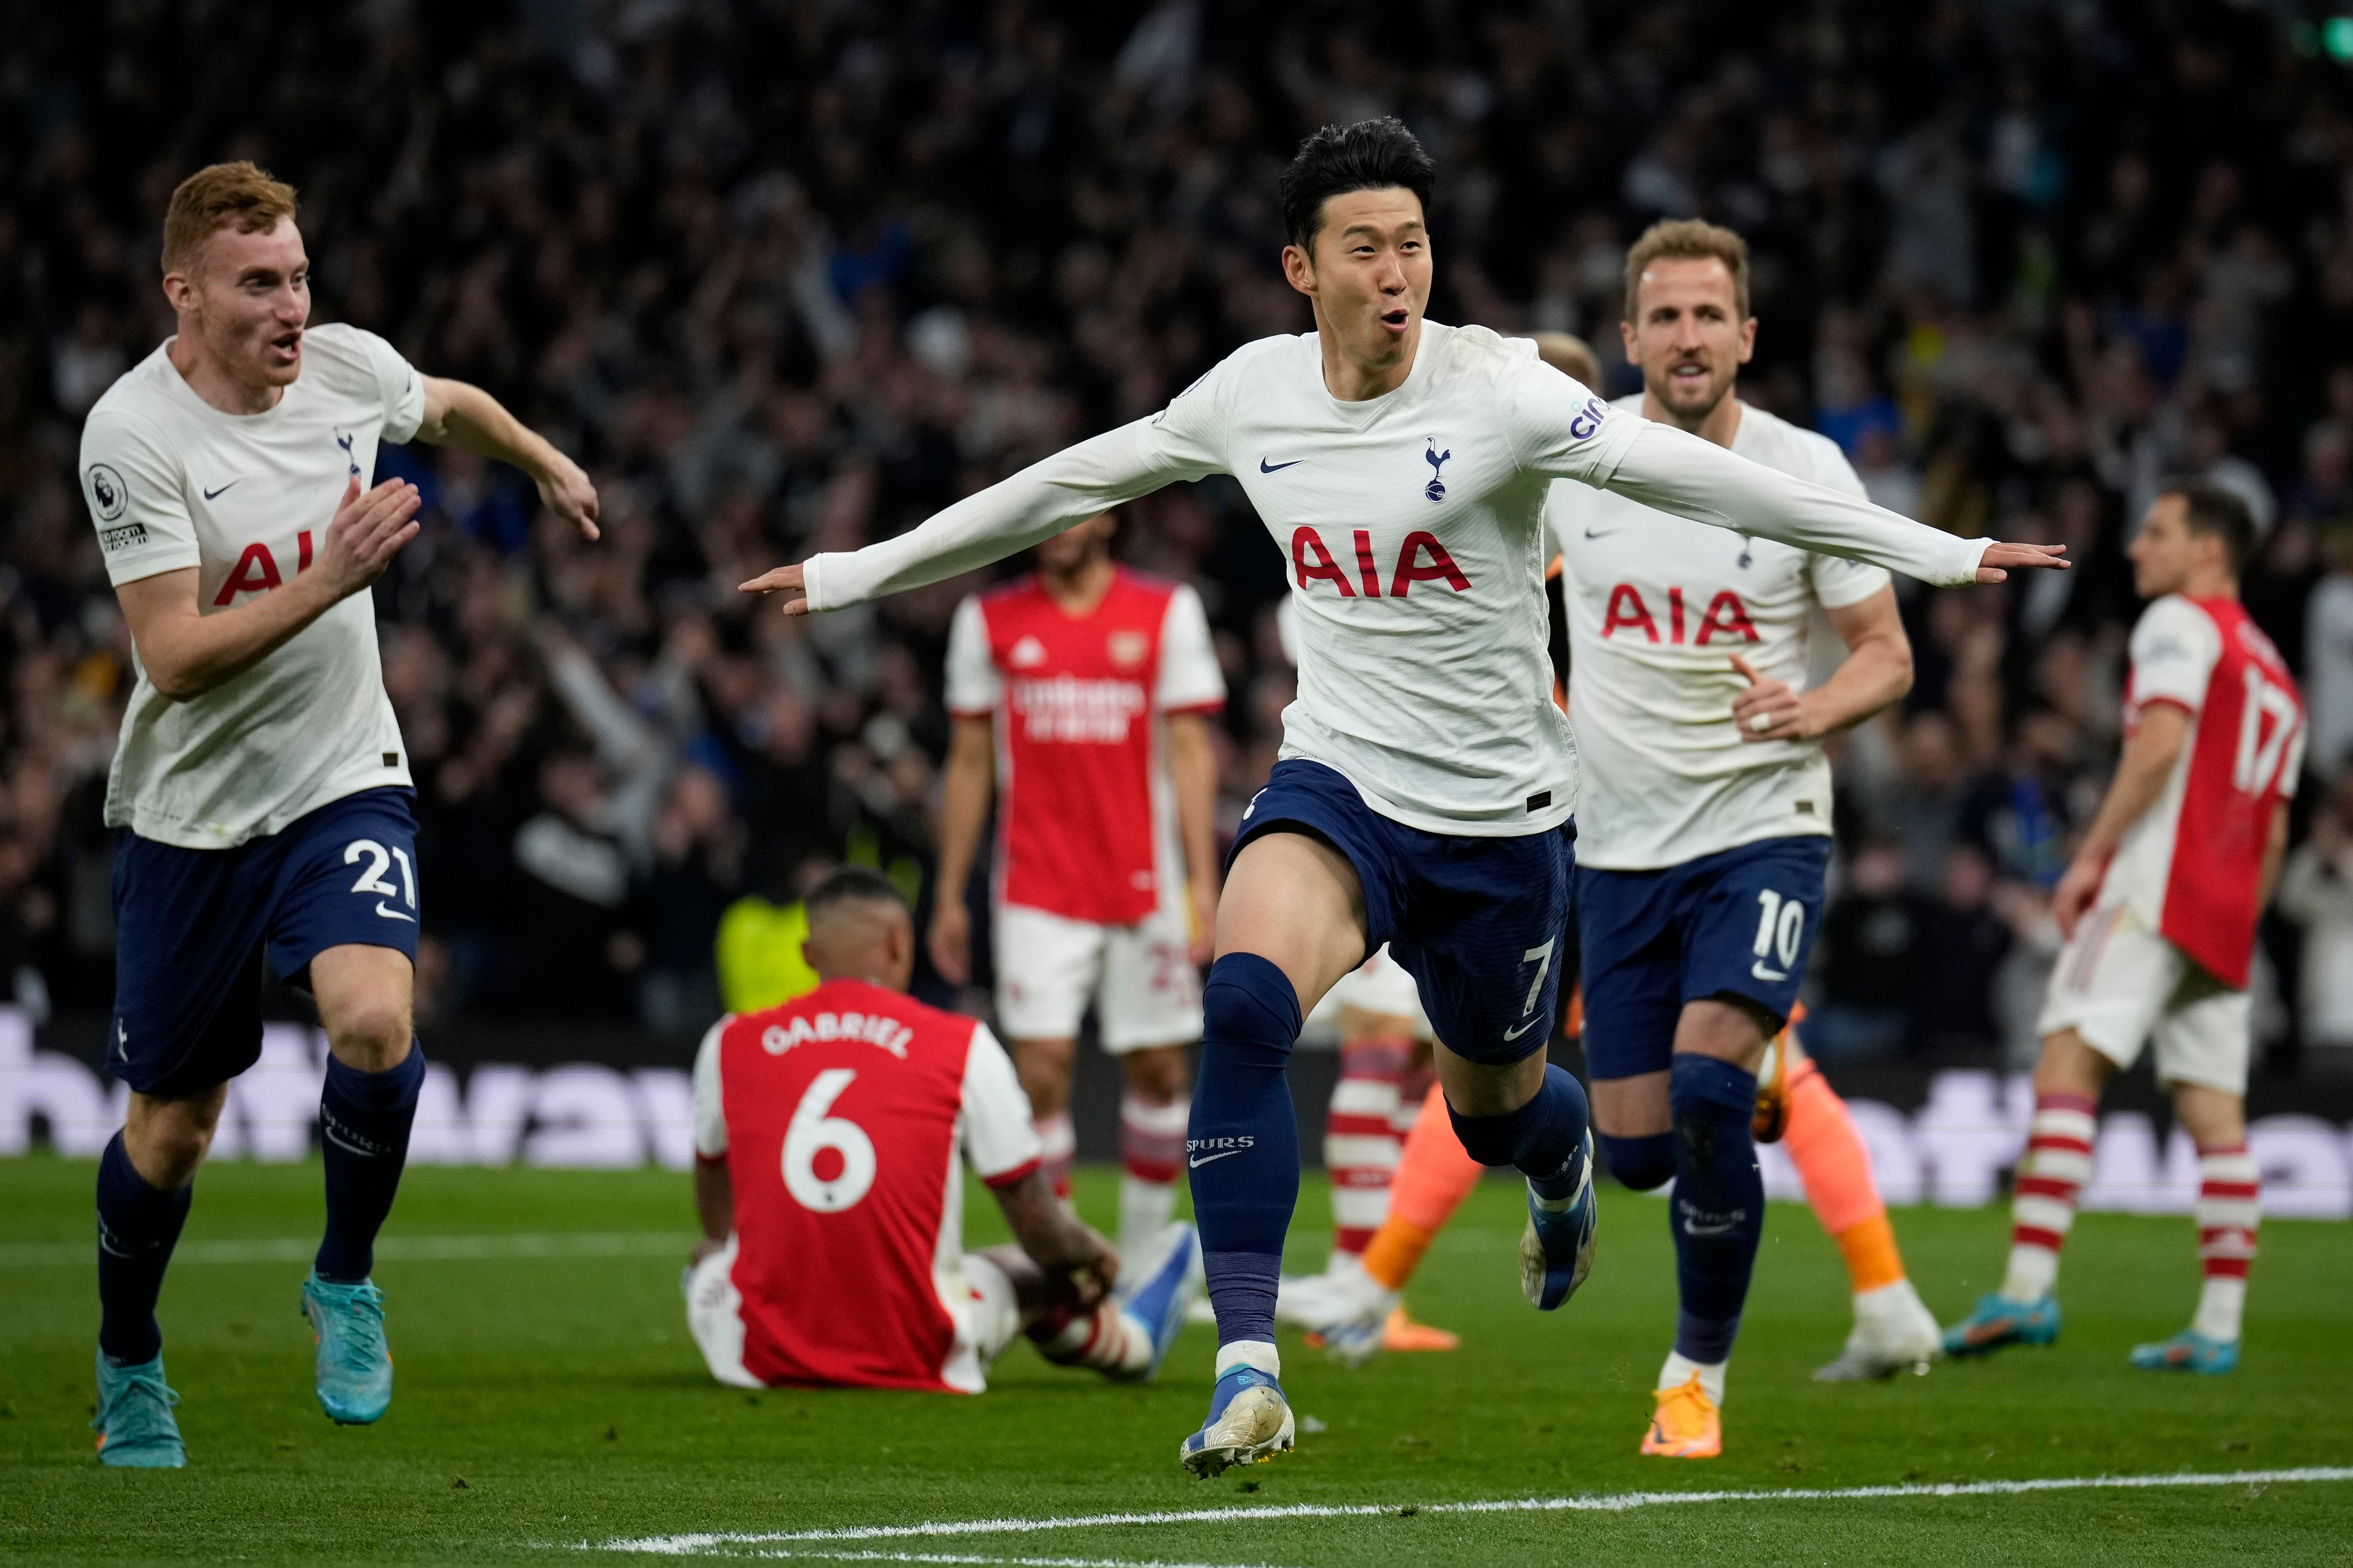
x: 841, y: 1116
x: 173, y: 482
x: 2191, y: 867
x: 1086, y: 819
x: 1657, y: 605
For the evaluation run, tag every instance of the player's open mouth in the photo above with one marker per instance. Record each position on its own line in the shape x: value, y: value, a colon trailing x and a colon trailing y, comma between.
x: 1395, y: 321
x: 289, y: 346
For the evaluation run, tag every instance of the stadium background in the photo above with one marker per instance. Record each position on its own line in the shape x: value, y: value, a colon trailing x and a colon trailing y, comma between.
x: 788, y: 278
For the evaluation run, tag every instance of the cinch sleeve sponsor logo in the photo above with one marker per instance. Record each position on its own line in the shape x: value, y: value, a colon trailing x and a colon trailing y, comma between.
x: 1066, y: 708
x: 122, y: 538
x: 871, y: 1028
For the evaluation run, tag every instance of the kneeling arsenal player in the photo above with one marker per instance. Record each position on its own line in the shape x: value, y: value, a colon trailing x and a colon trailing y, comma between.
x: 827, y: 1132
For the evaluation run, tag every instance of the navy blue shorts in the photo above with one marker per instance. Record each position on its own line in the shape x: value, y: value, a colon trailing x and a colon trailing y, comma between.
x: 1477, y: 922
x: 1739, y: 921
x: 191, y: 927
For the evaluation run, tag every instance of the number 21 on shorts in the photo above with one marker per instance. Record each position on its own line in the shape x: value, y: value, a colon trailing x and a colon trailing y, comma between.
x: 379, y: 860
x: 1780, y: 927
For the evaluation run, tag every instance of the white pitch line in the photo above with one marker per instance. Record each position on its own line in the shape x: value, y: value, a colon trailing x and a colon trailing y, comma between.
x: 823, y: 1556
x: 1600, y: 1502
x: 395, y: 1248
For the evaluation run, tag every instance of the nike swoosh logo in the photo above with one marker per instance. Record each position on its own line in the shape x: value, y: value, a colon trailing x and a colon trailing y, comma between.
x: 1603, y: 534
x: 395, y: 914
x: 214, y: 495
x: 1197, y: 1161
x: 1266, y: 467
x: 1523, y: 1028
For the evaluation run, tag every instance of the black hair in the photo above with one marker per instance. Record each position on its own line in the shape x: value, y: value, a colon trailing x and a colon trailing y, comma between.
x: 1370, y: 155
x: 851, y: 884
x: 2209, y: 508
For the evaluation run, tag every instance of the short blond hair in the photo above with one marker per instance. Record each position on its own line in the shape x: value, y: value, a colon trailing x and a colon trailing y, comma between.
x: 1689, y: 240
x: 1569, y: 354
x: 240, y: 196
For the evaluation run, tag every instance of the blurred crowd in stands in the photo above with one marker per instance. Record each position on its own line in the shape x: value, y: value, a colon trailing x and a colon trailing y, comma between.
x: 789, y: 276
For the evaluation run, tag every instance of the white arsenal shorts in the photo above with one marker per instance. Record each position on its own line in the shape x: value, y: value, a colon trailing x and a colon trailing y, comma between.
x: 1145, y: 988
x: 983, y: 1307
x: 2120, y: 984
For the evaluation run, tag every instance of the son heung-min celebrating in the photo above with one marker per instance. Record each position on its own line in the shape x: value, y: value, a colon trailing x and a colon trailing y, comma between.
x: 1427, y: 780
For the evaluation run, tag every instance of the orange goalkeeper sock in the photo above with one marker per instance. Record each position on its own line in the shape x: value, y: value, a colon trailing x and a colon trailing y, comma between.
x: 1433, y: 1176
x: 1836, y: 1168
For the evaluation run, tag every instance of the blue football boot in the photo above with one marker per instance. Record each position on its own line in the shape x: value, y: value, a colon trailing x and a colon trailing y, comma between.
x: 2188, y: 1351
x: 1249, y: 1420
x: 354, y: 1366
x: 1159, y: 1304
x: 1556, y: 1247
x: 134, y: 1425
x: 1996, y: 1320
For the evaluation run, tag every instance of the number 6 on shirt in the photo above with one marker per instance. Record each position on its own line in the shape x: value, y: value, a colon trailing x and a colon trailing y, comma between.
x: 812, y: 1131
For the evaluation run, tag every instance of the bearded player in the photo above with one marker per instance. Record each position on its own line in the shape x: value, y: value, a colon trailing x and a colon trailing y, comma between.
x: 259, y: 783
x: 1425, y: 782
x: 1083, y: 695
x: 2159, y: 908
x: 1704, y: 829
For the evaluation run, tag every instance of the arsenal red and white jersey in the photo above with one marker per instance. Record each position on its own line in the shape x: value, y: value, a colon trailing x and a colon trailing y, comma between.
x: 2191, y: 867
x: 1086, y: 819
x: 1657, y: 605
x: 841, y: 1116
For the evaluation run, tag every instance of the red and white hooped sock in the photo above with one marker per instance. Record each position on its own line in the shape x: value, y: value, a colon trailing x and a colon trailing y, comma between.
x: 2050, y: 1178
x: 1152, y: 1152
x: 2230, y: 1208
x: 1361, y: 1140
x: 1058, y: 1148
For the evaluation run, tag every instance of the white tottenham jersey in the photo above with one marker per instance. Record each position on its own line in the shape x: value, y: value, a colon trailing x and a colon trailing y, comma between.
x: 173, y: 482
x: 1657, y: 606
x: 1411, y: 526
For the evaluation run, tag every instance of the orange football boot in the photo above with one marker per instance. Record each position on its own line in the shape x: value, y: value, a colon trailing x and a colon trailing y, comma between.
x: 1686, y: 1425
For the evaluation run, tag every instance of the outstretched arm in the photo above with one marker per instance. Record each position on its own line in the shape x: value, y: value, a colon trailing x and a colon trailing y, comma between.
x: 1663, y: 467
x: 1013, y: 513
x: 465, y: 416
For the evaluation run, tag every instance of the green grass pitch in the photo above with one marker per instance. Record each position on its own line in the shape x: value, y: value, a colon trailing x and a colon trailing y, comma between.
x: 548, y: 1397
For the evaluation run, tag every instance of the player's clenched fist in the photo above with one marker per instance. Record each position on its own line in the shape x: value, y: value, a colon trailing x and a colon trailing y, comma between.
x: 369, y: 530
x: 1769, y: 709
x: 785, y: 580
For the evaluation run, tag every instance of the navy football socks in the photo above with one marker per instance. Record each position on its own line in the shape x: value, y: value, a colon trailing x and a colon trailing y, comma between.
x: 1242, y: 1147
x: 363, y: 1122
x: 1717, y: 1214
x: 1544, y: 1140
x: 1640, y: 1163
x: 138, y: 1225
